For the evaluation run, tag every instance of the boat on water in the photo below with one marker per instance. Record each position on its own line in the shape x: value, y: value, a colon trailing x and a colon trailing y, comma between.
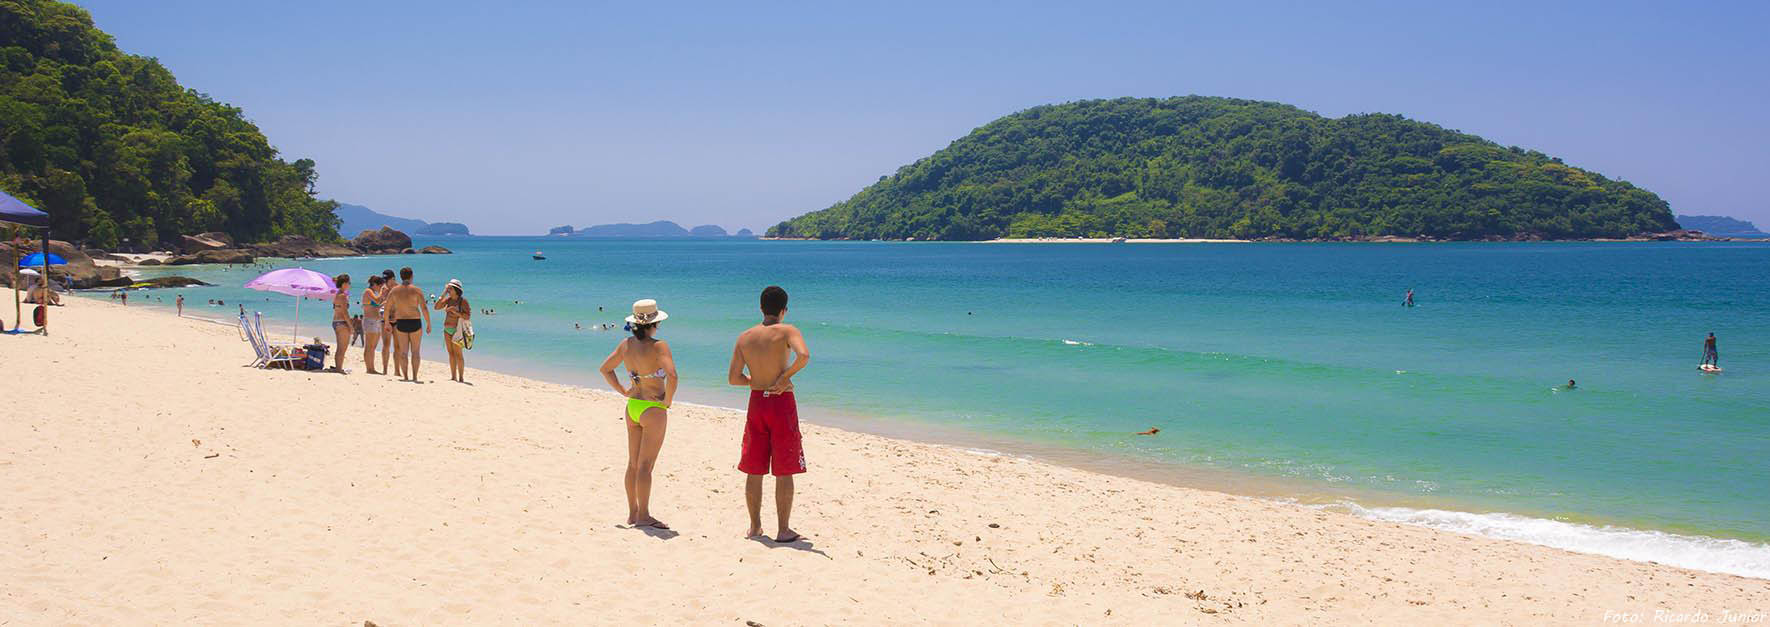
x: 539, y: 256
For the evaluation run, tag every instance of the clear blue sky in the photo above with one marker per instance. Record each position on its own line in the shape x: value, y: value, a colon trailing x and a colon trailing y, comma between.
x: 517, y: 118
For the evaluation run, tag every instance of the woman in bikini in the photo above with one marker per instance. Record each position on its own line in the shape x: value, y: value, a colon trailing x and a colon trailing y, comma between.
x: 455, y: 310
x: 341, y: 320
x: 371, y: 321
x: 652, y: 371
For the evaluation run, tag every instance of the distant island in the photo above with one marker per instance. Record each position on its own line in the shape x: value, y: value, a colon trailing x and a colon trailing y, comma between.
x: 662, y: 229
x: 354, y: 219
x: 1202, y: 167
x: 1721, y: 225
x: 443, y: 228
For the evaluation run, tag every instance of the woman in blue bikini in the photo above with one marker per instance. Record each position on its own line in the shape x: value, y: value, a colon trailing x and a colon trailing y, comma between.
x: 652, y: 371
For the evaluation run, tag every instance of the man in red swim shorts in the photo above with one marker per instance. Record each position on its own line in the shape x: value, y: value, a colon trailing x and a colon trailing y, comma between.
x: 771, y: 428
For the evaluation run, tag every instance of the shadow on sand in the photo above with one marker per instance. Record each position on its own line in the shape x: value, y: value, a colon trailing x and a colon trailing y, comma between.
x: 802, y: 544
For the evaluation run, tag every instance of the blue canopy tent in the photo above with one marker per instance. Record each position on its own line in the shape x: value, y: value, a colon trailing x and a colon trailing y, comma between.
x: 17, y: 212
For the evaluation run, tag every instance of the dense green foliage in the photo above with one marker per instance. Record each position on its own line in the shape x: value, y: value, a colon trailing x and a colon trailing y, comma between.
x: 1222, y: 168
x: 113, y: 148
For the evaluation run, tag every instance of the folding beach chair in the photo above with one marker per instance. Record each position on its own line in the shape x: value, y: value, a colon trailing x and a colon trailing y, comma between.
x: 270, y: 354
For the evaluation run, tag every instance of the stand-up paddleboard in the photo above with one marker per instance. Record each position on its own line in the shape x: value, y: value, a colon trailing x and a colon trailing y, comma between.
x: 1709, y: 368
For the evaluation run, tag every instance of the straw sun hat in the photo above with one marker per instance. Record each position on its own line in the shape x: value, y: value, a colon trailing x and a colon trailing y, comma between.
x: 646, y: 312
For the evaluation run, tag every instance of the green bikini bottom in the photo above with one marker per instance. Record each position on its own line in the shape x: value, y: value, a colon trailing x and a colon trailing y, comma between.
x: 636, y: 407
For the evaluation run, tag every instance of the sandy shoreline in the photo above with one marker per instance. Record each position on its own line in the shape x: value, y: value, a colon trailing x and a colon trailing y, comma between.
x: 163, y: 482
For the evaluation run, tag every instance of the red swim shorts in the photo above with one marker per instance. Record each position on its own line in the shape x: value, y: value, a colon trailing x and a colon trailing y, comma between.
x: 771, y: 436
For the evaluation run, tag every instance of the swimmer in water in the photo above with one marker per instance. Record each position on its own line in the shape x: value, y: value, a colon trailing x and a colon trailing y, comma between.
x: 1570, y: 384
x: 1151, y: 431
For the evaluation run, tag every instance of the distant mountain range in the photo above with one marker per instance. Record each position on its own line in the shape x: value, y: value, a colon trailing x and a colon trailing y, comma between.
x: 662, y: 229
x: 1721, y: 225
x: 355, y: 219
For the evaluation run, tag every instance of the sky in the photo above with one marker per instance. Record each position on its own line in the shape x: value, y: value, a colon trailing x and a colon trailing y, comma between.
x: 517, y: 117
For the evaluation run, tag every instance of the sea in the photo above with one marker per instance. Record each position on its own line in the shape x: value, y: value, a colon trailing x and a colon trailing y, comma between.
x: 1284, y: 371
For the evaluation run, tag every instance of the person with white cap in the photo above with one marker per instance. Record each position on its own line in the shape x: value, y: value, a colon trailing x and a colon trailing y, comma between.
x: 648, y: 403
x: 455, y: 312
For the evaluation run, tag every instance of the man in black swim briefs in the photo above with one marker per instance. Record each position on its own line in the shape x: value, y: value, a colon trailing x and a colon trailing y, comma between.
x: 405, y: 302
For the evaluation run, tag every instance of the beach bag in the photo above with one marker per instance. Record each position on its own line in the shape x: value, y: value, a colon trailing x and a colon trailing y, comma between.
x: 40, y: 315
x: 464, y: 334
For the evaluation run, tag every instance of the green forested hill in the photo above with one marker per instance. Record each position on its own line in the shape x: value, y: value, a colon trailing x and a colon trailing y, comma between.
x: 112, y: 147
x: 1217, y: 167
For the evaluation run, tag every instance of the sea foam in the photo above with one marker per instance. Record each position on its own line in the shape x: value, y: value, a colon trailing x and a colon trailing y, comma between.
x: 1720, y: 555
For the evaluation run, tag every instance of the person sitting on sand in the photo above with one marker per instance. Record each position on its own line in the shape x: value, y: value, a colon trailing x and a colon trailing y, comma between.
x: 648, y: 404
x: 341, y: 320
x: 455, y: 309
x: 771, y: 424
x: 405, y: 303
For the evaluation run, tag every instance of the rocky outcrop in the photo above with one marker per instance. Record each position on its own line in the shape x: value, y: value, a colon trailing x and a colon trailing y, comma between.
x: 301, y: 246
x: 79, y: 270
x: 408, y: 251
x: 227, y: 255
x: 150, y: 261
x: 189, y: 244
x: 560, y: 230
x: 381, y: 241
x: 171, y: 281
x: 435, y: 250
x: 226, y: 240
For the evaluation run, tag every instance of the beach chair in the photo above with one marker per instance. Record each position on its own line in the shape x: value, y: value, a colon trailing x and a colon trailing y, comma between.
x: 269, y: 353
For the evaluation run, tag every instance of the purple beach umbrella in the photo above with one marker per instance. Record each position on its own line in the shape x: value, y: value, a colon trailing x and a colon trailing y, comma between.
x: 297, y: 282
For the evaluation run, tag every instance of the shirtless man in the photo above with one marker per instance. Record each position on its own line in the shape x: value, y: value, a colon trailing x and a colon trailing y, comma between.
x: 771, y: 428
x: 405, y: 302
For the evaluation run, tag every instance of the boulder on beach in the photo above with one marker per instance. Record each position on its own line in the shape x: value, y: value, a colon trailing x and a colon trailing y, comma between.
x: 79, y: 271
x: 435, y: 250
x: 301, y: 246
x: 150, y: 261
x: 383, y: 240
x: 171, y: 281
x: 189, y: 244
x: 227, y: 255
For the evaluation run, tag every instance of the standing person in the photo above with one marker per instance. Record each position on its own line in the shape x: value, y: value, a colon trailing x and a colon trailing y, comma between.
x: 387, y: 284
x: 341, y: 320
x: 648, y: 404
x: 1710, y: 356
x: 405, y: 302
x: 1409, y: 301
x: 181, y: 305
x: 124, y: 295
x: 371, y: 322
x: 771, y: 425
x: 455, y: 309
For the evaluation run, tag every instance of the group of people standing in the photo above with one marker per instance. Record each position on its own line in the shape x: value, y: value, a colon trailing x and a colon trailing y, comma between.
x: 397, y: 310
x: 764, y: 359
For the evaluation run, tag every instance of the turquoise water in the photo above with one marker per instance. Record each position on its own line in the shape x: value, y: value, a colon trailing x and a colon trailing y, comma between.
x: 1292, y: 363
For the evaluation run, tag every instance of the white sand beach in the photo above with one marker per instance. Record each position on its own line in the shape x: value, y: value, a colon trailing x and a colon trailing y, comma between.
x: 153, y: 479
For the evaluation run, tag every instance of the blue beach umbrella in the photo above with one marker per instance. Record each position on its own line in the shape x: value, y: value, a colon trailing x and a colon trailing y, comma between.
x: 37, y: 260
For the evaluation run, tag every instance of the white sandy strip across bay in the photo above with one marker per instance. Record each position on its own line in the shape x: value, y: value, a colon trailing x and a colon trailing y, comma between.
x: 150, y: 478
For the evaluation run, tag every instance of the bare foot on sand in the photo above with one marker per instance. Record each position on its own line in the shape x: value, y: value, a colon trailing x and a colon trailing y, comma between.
x: 787, y: 536
x: 650, y: 522
x: 753, y: 532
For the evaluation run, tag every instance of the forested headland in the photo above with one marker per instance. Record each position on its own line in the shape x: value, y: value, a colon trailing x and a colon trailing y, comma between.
x: 1203, y: 167
x: 115, y: 150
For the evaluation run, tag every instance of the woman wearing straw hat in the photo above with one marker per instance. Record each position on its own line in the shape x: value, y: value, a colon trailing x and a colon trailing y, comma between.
x: 456, y: 310
x: 648, y: 403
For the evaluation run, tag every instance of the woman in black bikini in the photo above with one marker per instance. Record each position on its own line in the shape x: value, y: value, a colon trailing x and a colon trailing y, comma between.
x: 341, y: 319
